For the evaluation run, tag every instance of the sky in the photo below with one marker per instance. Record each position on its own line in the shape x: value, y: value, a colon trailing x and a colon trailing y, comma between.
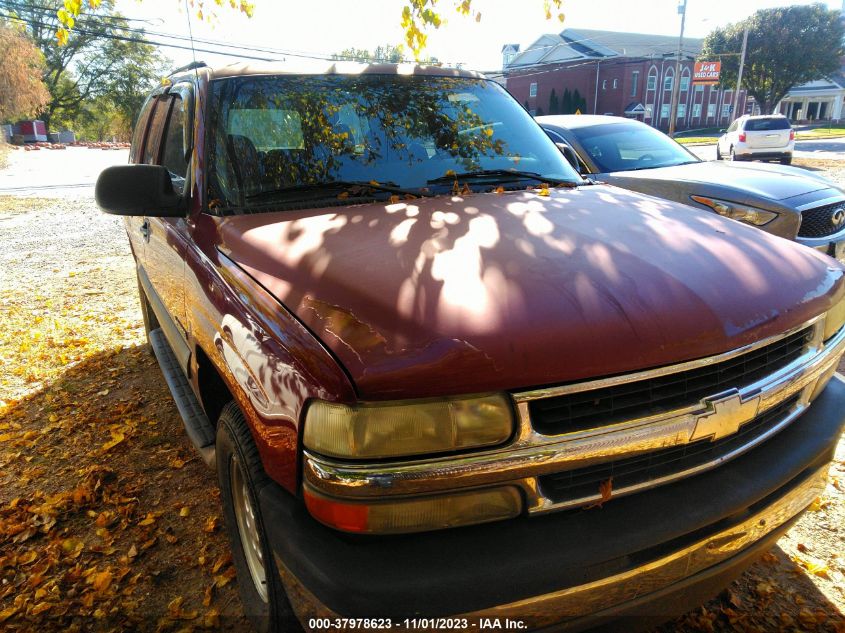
x: 323, y: 27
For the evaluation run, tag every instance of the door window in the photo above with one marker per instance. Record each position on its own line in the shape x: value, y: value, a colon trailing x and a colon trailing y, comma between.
x: 137, y: 147
x: 173, y: 155
x: 151, y: 147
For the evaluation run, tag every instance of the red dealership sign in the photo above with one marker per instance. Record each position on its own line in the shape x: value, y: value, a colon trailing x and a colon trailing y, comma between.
x: 706, y: 72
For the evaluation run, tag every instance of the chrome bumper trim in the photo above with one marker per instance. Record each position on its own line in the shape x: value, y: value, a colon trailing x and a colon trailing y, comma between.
x: 531, y: 454
x: 638, y: 582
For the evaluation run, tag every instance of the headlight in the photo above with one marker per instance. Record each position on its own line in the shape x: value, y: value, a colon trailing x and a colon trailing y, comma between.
x: 834, y: 319
x: 735, y: 211
x: 401, y: 429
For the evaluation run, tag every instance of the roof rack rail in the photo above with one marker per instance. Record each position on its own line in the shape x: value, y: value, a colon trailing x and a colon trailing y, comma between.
x: 191, y: 66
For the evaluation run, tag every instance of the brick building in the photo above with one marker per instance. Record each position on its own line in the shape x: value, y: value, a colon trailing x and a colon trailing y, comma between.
x: 625, y: 74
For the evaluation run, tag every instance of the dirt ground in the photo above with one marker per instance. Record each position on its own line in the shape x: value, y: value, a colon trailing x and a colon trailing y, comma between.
x: 108, y: 520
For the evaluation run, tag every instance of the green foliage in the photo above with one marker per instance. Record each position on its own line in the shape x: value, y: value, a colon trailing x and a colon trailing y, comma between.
x: 566, y: 102
x: 787, y: 46
x: 100, y: 64
x: 554, y: 105
x: 387, y: 53
x: 578, y: 103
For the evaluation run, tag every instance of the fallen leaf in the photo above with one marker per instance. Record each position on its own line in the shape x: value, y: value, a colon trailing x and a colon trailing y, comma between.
x: 185, y: 511
x: 101, y: 581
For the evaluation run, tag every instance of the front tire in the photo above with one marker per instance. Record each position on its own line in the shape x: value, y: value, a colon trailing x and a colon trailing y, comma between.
x: 241, y: 477
x: 718, y: 153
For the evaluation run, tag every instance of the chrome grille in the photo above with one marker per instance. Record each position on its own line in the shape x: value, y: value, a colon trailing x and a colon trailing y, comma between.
x: 582, y: 484
x: 589, y: 409
x: 822, y: 221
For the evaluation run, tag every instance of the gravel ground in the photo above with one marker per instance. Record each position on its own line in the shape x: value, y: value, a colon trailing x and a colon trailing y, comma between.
x: 64, y: 257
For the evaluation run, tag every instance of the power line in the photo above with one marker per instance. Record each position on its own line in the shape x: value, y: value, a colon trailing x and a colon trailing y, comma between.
x: 138, y: 40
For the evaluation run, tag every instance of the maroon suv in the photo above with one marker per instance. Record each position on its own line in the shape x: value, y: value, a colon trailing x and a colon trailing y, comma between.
x: 386, y: 306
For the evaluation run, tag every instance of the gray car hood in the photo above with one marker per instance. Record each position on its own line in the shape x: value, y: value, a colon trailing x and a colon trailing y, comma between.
x: 774, y: 182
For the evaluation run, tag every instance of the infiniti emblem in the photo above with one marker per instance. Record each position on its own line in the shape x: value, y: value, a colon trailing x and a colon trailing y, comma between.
x: 838, y: 217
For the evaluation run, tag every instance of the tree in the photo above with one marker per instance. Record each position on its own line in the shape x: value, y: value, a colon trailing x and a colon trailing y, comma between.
x: 578, y: 102
x: 787, y: 46
x: 386, y: 53
x: 102, y: 59
x: 554, y: 106
x: 418, y: 16
x: 22, y: 93
x: 566, y: 103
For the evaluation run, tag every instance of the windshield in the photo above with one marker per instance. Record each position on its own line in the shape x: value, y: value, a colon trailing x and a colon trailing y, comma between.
x: 630, y: 145
x: 280, y: 134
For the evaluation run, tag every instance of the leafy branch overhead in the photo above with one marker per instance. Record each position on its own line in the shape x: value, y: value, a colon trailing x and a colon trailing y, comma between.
x: 418, y: 16
x: 787, y: 46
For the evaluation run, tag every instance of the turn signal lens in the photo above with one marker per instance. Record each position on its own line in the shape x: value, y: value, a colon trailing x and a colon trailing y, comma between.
x: 415, y: 515
x: 834, y: 319
x: 749, y: 215
x: 372, y: 431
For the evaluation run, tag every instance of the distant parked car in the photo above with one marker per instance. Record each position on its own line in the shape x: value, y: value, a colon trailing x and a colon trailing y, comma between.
x: 768, y: 137
x: 786, y: 201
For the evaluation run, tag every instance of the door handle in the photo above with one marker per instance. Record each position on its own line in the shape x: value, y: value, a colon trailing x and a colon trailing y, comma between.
x: 145, y: 230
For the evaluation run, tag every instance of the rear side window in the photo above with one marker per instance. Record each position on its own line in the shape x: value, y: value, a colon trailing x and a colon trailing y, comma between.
x: 138, y: 135
x: 151, y: 147
x: 173, y: 155
x: 760, y: 125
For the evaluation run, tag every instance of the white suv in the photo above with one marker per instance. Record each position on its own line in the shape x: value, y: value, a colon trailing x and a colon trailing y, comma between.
x: 769, y: 137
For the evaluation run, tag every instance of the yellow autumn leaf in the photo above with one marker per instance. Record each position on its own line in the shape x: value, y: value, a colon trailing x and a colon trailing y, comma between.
x: 116, y: 438
x: 148, y: 520
x: 101, y: 581
x: 544, y: 190
x: 184, y: 511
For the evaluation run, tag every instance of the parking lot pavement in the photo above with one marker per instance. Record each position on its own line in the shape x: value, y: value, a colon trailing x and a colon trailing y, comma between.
x: 67, y: 173
x: 828, y: 149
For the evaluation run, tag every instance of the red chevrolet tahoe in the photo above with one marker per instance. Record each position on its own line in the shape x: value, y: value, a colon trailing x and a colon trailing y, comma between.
x: 443, y: 380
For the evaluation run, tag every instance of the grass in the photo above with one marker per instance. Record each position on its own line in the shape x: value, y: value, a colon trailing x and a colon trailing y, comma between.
x: 822, y: 132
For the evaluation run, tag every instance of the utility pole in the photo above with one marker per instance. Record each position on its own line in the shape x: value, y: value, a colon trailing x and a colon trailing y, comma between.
x: 739, y: 74
x: 676, y: 84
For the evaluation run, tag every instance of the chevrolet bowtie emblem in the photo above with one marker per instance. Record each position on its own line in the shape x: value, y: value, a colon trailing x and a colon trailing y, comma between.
x: 724, y: 417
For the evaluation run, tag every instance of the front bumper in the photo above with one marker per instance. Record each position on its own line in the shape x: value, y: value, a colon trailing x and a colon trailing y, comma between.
x: 627, y: 559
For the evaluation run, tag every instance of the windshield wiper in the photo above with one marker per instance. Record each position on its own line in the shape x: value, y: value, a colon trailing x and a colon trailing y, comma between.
x: 334, y: 185
x: 503, y: 174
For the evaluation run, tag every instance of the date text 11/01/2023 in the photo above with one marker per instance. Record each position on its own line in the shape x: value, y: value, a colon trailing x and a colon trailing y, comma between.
x: 415, y: 624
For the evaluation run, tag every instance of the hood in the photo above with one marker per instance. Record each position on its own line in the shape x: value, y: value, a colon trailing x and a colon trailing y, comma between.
x: 759, y: 180
x: 444, y: 295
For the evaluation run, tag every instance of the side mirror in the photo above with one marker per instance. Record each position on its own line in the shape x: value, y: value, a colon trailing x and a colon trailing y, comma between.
x: 570, y: 155
x: 138, y: 190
